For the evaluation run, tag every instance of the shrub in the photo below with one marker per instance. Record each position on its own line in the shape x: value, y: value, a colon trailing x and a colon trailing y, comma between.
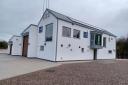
x: 3, y: 45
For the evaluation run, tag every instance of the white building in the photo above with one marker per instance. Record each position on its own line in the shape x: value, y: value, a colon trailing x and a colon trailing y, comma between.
x: 15, y: 45
x: 62, y: 38
x: 29, y: 45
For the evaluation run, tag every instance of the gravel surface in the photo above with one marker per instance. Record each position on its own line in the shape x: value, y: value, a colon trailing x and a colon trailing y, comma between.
x: 89, y: 73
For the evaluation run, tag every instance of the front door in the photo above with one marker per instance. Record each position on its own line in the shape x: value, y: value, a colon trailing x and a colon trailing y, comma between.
x: 95, y: 54
x: 25, y: 46
x: 10, y: 49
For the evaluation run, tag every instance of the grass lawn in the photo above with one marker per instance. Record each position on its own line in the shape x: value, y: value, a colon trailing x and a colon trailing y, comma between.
x: 89, y: 73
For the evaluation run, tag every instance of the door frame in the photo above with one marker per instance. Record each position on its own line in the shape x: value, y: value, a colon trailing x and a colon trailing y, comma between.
x: 23, y: 49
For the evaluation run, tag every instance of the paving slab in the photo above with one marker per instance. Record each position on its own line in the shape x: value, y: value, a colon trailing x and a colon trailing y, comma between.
x: 11, y: 66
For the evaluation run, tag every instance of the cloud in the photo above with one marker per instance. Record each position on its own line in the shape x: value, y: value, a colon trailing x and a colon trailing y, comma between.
x: 112, y: 15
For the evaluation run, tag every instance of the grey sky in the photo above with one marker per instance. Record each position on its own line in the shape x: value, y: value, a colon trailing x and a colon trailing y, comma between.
x: 16, y: 15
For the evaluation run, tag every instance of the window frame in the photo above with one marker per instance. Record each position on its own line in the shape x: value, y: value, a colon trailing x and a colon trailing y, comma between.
x: 41, y: 48
x: 98, y: 39
x: 63, y: 34
x: 46, y: 33
x: 104, y: 42
x: 79, y: 33
x: 39, y: 29
x: 84, y: 34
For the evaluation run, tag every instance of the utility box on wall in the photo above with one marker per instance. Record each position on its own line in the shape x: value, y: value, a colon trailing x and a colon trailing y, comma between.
x: 96, y: 40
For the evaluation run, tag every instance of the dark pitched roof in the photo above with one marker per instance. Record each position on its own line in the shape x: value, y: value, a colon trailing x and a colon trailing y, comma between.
x: 77, y: 22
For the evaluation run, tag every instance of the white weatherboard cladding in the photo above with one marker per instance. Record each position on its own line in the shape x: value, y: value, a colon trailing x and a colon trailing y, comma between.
x: 32, y: 41
x: 64, y: 53
x: 110, y: 45
x: 17, y: 45
x: 49, y: 52
x: 32, y: 47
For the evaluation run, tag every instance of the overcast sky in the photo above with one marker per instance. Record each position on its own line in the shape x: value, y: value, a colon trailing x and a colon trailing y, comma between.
x: 16, y: 15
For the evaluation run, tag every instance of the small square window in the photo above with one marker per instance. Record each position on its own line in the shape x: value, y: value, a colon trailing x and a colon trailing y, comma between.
x: 41, y: 29
x: 76, y: 33
x: 66, y: 32
x: 41, y: 48
x: 85, y: 34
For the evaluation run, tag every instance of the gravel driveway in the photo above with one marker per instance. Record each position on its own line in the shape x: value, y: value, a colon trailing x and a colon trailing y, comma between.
x: 101, y: 72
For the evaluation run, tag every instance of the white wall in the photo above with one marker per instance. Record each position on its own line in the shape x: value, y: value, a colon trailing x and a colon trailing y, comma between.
x: 50, y: 47
x: 64, y: 53
x: 32, y: 47
x: 110, y: 45
x: 17, y: 45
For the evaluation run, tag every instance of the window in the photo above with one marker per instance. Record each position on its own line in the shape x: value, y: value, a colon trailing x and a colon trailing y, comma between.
x: 76, y: 33
x: 66, y: 32
x: 104, y: 42
x: 41, y: 29
x: 41, y: 48
x: 110, y: 51
x: 49, y: 32
x: 98, y: 39
x: 85, y: 34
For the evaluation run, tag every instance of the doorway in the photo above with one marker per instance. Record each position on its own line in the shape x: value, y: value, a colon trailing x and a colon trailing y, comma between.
x: 25, y: 46
x: 95, y: 54
x: 10, y: 49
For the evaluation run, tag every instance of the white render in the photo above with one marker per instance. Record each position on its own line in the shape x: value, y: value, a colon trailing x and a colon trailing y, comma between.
x: 16, y: 45
x: 32, y: 41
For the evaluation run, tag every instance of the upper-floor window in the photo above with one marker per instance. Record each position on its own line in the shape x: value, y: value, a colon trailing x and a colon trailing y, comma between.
x: 41, y: 29
x: 85, y: 34
x: 98, y: 39
x: 76, y: 33
x: 49, y: 32
x: 104, y: 42
x: 66, y: 32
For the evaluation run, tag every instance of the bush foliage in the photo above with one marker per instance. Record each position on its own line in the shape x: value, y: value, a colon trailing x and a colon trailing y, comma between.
x: 3, y: 45
x: 122, y: 48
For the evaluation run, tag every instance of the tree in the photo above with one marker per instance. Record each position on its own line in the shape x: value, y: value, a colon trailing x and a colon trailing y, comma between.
x: 122, y: 48
x: 3, y: 45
